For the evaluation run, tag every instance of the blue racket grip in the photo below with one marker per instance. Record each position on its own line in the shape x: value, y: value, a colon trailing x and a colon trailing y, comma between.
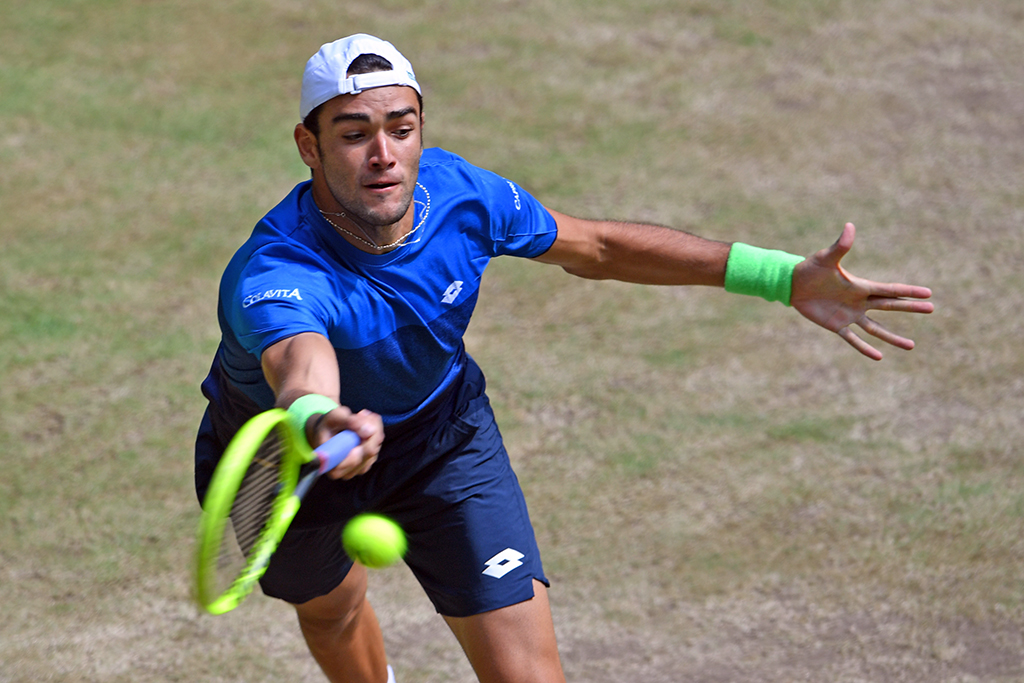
x: 333, y: 452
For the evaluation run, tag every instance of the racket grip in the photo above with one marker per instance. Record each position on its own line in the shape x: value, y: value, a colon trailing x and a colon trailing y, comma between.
x: 333, y: 452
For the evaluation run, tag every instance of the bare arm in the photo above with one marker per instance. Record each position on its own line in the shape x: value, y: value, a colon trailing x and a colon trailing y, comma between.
x: 633, y: 252
x: 823, y: 292
x: 306, y: 364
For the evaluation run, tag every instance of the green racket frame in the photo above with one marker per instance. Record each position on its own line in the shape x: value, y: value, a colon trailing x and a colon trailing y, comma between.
x: 220, y: 497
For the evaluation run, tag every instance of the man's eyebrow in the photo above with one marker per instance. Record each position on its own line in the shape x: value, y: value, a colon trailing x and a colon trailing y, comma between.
x: 365, y: 118
x: 400, y: 113
x: 351, y: 117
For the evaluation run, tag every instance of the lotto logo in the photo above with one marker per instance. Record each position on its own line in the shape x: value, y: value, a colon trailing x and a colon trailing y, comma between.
x: 503, y: 563
x: 453, y: 291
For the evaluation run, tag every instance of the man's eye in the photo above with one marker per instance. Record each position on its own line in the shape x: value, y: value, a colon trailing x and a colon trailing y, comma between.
x: 403, y: 132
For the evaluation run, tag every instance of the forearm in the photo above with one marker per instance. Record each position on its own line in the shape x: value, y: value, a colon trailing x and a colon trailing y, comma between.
x: 305, y: 366
x: 300, y: 365
x: 632, y: 252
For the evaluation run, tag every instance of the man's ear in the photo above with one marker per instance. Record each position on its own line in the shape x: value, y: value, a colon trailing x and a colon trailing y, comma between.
x: 306, y: 142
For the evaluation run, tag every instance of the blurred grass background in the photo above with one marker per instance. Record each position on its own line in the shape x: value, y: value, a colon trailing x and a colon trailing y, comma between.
x: 721, y: 491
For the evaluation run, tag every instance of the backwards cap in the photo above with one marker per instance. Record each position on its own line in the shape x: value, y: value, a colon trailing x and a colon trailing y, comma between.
x: 325, y: 76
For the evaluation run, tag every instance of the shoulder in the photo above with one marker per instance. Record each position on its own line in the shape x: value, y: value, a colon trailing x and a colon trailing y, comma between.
x: 282, y: 243
x: 435, y: 157
x: 288, y: 220
x: 436, y: 163
x: 284, y: 229
x: 455, y: 175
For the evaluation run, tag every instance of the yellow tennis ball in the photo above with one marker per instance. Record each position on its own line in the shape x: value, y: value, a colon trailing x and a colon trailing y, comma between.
x: 373, y: 540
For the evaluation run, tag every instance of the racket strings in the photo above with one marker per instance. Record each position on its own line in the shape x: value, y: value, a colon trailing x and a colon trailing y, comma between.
x: 255, y: 499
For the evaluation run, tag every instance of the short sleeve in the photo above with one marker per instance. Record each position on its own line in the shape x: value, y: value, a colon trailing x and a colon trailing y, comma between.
x: 519, y: 224
x: 281, y: 292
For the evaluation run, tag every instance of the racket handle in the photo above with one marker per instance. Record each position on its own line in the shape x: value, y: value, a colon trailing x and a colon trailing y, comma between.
x: 333, y: 452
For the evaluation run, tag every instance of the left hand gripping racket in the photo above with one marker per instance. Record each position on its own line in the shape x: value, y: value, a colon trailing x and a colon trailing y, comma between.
x: 253, y: 496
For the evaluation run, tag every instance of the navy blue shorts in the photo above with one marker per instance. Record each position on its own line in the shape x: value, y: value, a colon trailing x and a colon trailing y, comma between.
x: 453, y: 491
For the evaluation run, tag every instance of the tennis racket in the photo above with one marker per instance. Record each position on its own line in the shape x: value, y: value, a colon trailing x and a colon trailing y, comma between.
x: 253, y: 496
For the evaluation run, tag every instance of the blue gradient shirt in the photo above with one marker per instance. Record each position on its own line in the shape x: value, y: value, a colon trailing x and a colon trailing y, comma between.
x: 396, y: 320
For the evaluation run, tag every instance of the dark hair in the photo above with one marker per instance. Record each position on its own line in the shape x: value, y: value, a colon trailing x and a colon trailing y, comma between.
x: 367, y: 64
x: 363, y: 64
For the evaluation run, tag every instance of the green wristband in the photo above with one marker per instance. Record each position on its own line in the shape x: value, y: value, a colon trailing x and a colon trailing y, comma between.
x: 306, y: 406
x: 767, y: 273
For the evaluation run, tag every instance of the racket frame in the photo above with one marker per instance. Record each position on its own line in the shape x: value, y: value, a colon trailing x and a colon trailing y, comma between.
x: 220, y: 497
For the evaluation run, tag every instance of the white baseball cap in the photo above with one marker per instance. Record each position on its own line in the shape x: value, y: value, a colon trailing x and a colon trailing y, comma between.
x: 326, y: 72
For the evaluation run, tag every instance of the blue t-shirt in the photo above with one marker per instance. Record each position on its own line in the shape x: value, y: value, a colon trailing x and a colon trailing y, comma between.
x: 396, y: 320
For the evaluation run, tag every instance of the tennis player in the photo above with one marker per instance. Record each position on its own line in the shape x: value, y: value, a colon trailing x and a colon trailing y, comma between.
x: 348, y: 306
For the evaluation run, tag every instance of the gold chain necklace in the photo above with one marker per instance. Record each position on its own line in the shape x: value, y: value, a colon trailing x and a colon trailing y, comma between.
x: 400, y: 242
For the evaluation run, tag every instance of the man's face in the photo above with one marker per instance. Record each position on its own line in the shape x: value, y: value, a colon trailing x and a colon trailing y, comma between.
x: 367, y: 155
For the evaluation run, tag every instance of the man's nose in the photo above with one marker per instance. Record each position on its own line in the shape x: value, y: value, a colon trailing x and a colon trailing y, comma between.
x: 381, y: 154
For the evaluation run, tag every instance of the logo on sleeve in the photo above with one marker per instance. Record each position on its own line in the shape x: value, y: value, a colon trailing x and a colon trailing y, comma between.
x: 271, y: 294
x: 515, y: 193
x: 452, y: 293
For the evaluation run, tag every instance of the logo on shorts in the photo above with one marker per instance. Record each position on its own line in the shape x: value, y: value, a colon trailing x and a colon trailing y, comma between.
x: 503, y: 563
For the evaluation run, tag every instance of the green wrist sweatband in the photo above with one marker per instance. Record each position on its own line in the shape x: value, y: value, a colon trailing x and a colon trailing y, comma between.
x: 306, y: 406
x: 767, y: 273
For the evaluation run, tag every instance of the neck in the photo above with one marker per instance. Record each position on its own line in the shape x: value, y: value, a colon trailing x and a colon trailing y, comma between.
x: 372, y: 239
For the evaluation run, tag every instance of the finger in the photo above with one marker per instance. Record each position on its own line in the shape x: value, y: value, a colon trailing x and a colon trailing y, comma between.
x: 366, y: 466
x: 895, y: 290
x: 360, y: 468
x: 879, y: 303
x: 845, y: 241
x: 370, y: 429
x: 856, y: 342
x: 877, y: 330
x: 831, y: 256
x: 358, y: 461
x: 367, y: 425
x: 347, y: 468
x: 325, y: 425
